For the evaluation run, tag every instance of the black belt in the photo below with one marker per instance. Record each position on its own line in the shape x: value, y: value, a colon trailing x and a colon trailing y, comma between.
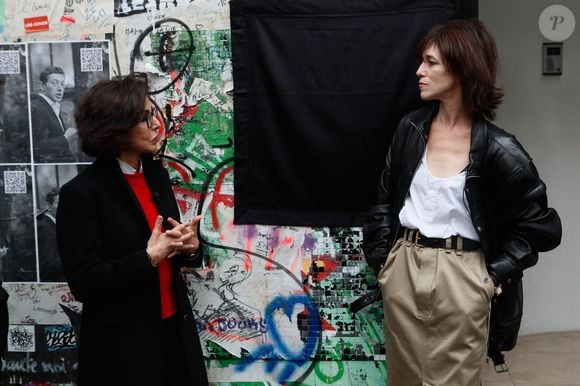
x: 457, y: 243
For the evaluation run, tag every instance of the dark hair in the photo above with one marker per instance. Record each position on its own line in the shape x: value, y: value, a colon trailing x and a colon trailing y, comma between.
x: 108, y: 111
x: 469, y: 52
x: 50, y: 70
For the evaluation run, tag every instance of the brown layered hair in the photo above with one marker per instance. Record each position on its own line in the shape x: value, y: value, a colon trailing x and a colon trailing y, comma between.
x: 469, y: 52
x: 108, y: 111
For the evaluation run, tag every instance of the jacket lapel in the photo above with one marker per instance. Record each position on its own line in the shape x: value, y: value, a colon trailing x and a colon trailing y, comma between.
x: 156, y: 184
x: 478, y: 143
x: 118, y: 179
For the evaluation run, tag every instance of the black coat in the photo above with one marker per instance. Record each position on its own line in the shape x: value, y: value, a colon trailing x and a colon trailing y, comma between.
x: 506, y: 198
x: 102, y: 234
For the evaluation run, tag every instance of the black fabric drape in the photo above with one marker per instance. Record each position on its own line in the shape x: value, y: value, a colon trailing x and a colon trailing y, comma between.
x: 319, y: 86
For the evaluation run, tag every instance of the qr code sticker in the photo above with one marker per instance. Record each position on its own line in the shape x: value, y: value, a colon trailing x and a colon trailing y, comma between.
x: 14, y: 182
x: 9, y: 62
x: 91, y: 59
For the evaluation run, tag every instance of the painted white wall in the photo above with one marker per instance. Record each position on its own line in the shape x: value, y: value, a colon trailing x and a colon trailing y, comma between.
x: 543, y: 112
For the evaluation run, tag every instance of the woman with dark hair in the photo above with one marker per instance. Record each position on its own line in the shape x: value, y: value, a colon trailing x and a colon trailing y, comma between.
x: 122, y: 247
x: 461, y: 212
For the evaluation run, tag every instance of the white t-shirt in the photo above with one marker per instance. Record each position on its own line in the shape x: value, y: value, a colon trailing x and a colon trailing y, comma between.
x: 436, y: 206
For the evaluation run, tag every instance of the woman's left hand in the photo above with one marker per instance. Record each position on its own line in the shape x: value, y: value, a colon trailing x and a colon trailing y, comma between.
x: 189, y: 231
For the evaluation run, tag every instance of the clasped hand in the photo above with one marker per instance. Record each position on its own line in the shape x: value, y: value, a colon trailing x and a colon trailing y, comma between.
x: 181, y: 238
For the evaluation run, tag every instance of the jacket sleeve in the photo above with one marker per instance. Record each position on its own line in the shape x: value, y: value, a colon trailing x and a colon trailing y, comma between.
x: 91, y: 275
x: 194, y: 260
x: 378, y: 228
x: 530, y: 225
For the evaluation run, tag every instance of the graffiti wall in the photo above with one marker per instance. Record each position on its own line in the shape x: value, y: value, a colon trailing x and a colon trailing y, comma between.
x: 271, y: 303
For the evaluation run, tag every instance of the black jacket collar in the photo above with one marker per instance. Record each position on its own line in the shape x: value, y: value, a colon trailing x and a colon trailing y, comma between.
x: 422, y: 119
x: 152, y: 176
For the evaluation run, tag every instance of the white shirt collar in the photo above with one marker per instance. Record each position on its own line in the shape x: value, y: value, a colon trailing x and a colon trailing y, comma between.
x: 55, y: 105
x: 128, y: 169
x: 51, y: 217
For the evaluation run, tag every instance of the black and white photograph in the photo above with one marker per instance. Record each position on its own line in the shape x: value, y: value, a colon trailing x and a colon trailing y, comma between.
x: 14, y: 133
x: 17, y: 254
x: 49, y: 179
x: 60, y: 72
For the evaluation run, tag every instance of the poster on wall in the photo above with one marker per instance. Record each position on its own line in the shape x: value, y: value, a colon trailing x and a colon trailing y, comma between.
x: 60, y: 73
x: 14, y: 137
x: 49, y: 179
x: 17, y: 255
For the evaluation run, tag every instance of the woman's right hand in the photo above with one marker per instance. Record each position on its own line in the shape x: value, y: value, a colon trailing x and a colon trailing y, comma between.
x: 164, y: 244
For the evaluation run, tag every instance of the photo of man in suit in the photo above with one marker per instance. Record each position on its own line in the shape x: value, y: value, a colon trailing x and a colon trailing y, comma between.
x: 49, y: 135
x: 49, y: 260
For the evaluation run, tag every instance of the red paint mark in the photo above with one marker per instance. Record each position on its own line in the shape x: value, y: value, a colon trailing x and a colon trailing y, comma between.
x: 184, y: 206
x: 179, y: 169
x: 326, y: 326
x: 173, y: 74
x: 186, y: 192
x: 173, y: 102
x: 249, y: 242
x: 211, y: 328
x: 67, y: 19
x: 189, y: 111
x: 218, y: 197
x: 35, y: 24
x: 323, y: 266
x: 269, y: 263
x: 221, y: 327
x: 247, y: 260
x: 287, y: 241
x: 297, y: 260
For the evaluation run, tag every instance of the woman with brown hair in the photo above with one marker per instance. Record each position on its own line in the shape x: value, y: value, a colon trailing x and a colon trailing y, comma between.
x: 461, y: 212
x: 122, y: 247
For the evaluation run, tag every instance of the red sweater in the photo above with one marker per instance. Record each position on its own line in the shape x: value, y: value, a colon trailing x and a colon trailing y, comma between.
x: 141, y: 190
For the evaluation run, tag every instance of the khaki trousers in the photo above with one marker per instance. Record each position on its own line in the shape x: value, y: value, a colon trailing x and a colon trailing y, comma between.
x: 437, y: 304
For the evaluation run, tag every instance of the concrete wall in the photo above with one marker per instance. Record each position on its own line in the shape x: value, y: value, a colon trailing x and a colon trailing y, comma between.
x: 542, y: 111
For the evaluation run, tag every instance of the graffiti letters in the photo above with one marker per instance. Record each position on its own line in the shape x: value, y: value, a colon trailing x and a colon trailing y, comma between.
x: 280, y: 348
x: 60, y: 338
x: 25, y: 365
x: 236, y: 328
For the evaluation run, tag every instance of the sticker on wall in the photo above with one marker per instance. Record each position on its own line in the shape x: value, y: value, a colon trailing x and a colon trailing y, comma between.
x: 557, y: 23
x: 14, y: 182
x: 21, y: 338
x: 36, y: 24
x: 17, y: 255
x: 14, y: 138
x: 58, y: 338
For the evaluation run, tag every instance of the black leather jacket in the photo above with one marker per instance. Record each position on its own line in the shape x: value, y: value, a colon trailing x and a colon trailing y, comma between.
x: 507, y: 203
x: 505, y: 196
